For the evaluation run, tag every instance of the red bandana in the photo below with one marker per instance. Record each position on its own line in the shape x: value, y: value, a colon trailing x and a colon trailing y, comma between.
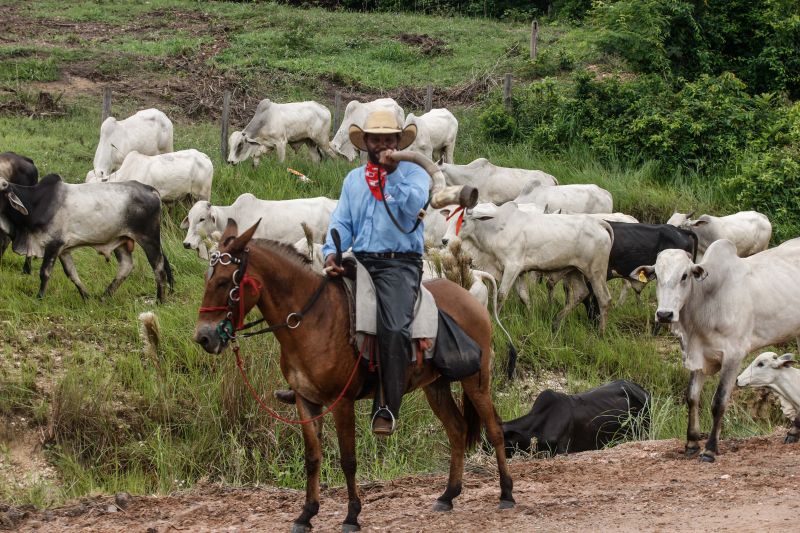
x: 376, y: 179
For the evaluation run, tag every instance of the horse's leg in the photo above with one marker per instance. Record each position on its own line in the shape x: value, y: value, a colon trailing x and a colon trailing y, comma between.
x: 444, y: 407
x: 313, y: 458
x: 481, y: 399
x: 344, y: 418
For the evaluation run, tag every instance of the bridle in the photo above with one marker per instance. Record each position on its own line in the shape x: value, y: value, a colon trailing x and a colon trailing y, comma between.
x: 227, y: 330
x: 240, y: 279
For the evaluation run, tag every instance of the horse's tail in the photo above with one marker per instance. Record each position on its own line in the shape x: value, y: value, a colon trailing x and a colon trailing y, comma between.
x: 473, y: 423
x: 512, y: 351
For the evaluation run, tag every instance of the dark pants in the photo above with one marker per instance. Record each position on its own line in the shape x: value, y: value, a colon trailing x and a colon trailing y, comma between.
x: 396, y: 286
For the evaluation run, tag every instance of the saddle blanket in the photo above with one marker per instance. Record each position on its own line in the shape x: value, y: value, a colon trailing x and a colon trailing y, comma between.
x: 426, y: 317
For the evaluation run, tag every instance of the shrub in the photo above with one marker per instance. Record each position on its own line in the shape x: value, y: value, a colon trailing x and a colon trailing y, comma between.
x: 496, y: 123
x: 769, y: 181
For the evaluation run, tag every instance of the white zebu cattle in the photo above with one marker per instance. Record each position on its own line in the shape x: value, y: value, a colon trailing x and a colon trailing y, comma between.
x: 436, y: 134
x: 148, y: 132
x: 436, y: 225
x: 356, y: 113
x: 280, y: 220
x: 749, y: 231
x: 774, y: 372
x: 175, y: 175
x: 506, y: 242
x: 495, y: 184
x: 569, y: 199
x: 722, y: 309
x: 275, y: 125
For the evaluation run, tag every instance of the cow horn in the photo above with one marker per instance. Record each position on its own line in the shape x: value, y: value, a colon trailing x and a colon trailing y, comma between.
x: 690, y: 214
x: 441, y: 194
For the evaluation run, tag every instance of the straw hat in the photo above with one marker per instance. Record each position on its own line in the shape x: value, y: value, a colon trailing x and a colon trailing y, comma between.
x: 382, y: 121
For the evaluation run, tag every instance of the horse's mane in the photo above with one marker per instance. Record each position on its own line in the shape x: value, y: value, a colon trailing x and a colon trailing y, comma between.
x: 286, y: 250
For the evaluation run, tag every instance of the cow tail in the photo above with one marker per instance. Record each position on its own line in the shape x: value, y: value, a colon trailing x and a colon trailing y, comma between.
x: 693, y: 236
x: 609, y: 229
x: 168, y: 269
x: 473, y: 423
x: 511, y: 365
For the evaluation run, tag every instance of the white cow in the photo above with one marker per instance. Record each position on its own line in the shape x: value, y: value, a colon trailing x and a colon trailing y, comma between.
x: 280, y: 220
x: 569, y: 199
x: 506, y: 242
x: 774, y: 372
x: 175, y: 175
x: 495, y: 184
x: 148, y: 132
x: 436, y: 134
x: 356, y: 113
x: 722, y: 309
x: 749, y: 231
x: 275, y: 125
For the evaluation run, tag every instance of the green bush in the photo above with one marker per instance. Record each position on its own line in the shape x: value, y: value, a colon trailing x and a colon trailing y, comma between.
x: 769, y: 181
x: 496, y: 123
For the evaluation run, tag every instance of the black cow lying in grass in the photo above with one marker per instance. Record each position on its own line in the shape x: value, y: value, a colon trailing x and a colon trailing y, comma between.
x: 564, y: 423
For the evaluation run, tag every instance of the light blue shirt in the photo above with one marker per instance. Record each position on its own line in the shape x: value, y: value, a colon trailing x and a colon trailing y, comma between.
x: 362, y: 221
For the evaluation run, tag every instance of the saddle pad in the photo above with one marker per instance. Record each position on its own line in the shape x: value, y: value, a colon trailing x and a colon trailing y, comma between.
x: 426, y: 318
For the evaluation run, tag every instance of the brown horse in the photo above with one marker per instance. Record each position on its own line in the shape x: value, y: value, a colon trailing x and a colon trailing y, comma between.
x: 318, y: 360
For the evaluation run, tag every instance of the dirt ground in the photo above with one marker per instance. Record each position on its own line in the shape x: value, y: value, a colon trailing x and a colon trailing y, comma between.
x: 642, y: 486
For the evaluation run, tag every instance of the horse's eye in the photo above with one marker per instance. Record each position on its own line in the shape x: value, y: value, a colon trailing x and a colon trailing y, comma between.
x: 223, y: 282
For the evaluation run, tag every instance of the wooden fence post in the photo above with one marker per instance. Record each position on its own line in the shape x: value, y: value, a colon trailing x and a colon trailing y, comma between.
x: 507, y: 91
x: 226, y: 111
x: 534, y: 38
x: 106, y: 104
x: 429, y: 98
x: 337, y: 111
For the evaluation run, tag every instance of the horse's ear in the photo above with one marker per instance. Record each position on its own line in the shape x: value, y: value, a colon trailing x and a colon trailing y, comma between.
x: 231, y: 231
x: 242, y: 240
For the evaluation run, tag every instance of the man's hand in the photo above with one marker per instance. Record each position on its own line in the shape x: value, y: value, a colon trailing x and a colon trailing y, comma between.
x: 387, y: 162
x: 331, y: 268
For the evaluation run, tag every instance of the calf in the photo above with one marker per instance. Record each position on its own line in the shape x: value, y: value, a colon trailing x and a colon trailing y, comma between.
x: 20, y: 170
x: 177, y: 175
x: 571, y: 423
x: 722, y: 309
x: 749, y: 231
x: 775, y: 372
x: 53, y: 217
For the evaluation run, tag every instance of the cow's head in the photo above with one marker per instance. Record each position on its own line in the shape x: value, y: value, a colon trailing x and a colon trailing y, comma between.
x: 201, y: 224
x: 675, y: 273
x: 7, y: 192
x: 241, y: 147
x: 680, y: 220
x: 765, y: 370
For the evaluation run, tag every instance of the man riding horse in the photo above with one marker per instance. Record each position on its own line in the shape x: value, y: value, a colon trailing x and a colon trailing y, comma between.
x: 392, y: 257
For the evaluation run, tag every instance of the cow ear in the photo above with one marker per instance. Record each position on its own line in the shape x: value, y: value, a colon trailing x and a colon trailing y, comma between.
x: 786, y: 360
x: 699, y: 273
x: 185, y: 223
x: 16, y: 203
x: 241, y: 241
x: 644, y: 274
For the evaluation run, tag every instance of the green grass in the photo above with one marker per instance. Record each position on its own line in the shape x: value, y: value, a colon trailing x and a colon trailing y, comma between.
x: 123, y: 421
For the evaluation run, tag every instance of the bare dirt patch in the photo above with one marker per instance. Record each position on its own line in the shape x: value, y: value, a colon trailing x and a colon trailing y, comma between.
x: 427, y: 45
x: 644, y: 486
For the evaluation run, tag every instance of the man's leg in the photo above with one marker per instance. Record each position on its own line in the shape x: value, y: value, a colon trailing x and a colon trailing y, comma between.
x: 396, y: 285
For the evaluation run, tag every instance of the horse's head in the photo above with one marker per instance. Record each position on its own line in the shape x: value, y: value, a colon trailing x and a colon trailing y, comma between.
x: 230, y: 292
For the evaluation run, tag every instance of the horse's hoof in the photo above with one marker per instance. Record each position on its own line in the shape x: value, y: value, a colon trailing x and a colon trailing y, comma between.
x: 507, y: 504
x: 706, y: 457
x: 300, y: 528
x: 440, y: 507
x: 349, y: 528
x: 790, y: 439
x: 691, y: 451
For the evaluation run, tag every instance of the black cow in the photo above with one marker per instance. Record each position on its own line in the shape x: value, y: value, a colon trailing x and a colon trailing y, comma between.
x: 22, y: 171
x: 639, y: 244
x: 569, y: 423
x: 53, y: 217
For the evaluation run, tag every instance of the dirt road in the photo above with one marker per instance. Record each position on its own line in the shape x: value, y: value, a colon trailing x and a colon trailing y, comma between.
x: 645, y: 486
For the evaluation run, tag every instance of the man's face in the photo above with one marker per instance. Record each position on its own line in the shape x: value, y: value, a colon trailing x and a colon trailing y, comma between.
x: 378, y: 142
